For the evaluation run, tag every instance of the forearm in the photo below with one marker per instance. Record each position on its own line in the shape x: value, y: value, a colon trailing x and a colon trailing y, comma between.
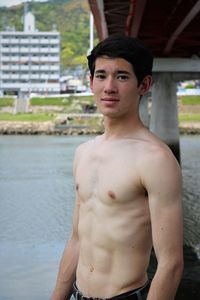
x: 165, y: 282
x: 63, y: 289
x: 62, y: 293
x: 67, y: 272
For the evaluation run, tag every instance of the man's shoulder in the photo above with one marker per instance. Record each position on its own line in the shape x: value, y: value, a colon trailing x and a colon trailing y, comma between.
x: 154, y: 152
x: 83, y: 147
x: 79, y: 152
x: 159, y: 160
x: 148, y: 144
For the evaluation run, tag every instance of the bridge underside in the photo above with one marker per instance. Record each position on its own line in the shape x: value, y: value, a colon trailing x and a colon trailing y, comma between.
x: 171, y: 30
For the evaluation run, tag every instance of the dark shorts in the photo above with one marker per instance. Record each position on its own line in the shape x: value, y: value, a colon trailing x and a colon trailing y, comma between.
x: 137, y: 294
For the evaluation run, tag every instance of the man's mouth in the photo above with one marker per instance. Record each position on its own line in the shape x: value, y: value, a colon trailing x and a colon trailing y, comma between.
x: 108, y: 99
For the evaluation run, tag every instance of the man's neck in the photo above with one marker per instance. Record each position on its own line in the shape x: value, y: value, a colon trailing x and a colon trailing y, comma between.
x: 122, y: 128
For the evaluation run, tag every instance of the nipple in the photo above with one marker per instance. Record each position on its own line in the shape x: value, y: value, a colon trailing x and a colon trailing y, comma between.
x: 111, y: 195
x: 91, y: 269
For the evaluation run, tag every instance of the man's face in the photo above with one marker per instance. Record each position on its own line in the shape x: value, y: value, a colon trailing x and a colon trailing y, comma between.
x: 115, y: 87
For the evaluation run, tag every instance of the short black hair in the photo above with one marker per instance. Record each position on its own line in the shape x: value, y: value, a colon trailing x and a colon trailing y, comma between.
x: 129, y: 48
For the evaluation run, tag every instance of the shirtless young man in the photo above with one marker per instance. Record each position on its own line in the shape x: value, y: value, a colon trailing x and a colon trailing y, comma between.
x: 128, y: 187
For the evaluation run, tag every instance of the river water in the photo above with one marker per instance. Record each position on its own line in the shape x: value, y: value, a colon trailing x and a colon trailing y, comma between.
x: 36, y: 204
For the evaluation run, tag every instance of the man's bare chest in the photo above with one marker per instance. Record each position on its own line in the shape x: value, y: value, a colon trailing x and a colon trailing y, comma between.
x: 110, y: 177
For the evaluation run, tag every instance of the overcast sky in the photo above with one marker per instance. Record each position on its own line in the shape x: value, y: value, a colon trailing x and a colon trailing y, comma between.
x: 15, y: 2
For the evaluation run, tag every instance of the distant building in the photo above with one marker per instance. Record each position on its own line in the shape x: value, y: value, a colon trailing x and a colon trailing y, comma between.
x: 71, y: 85
x: 29, y: 60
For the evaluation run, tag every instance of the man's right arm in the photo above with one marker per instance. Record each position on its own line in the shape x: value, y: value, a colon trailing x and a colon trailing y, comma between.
x: 67, y: 269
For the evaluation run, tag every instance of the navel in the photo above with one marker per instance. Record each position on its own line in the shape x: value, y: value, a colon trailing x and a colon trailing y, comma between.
x: 77, y: 186
x: 111, y: 195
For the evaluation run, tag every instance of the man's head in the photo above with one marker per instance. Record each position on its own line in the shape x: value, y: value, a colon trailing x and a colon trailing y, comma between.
x: 128, y: 48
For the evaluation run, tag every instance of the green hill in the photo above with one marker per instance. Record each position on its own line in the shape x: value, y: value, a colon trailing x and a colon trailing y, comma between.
x: 69, y: 17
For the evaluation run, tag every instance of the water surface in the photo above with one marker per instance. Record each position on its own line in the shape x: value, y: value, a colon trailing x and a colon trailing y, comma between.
x: 36, y: 205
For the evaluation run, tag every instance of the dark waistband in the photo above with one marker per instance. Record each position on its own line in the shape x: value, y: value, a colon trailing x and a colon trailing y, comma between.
x: 137, y: 294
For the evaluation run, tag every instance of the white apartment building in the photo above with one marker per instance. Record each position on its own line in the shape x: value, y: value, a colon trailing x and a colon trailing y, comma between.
x: 29, y: 60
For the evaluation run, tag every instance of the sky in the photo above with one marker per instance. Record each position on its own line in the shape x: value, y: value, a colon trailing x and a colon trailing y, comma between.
x: 15, y: 2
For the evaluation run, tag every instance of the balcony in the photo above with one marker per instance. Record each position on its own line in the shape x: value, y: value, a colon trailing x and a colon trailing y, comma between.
x: 54, y: 41
x: 44, y: 41
x: 23, y: 59
x: 34, y: 76
x: 34, y: 68
x: 35, y: 50
x: 35, y: 58
x: 25, y: 77
x: 10, y: 76
x: 18, y: 68
x: 54, y: 68
x: 10, y: 58
x: 32, y: 86
x: 54, y: 50
x: 13, y: 41
x: 44, y: 50
x: 50, y: 59
x: 5, y: 41
x: 44, y: 76
x: 34, y: 41
x: 14, y: 68
x: 24, y: 67
x: 48, y: 68
x: 6, y: 50
x: 54, y: 77
x: 25, y: 40
x: 6, y: 67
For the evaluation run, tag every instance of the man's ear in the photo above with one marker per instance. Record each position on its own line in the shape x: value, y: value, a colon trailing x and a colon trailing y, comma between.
x: 145, y: 84
x: 91, y: 83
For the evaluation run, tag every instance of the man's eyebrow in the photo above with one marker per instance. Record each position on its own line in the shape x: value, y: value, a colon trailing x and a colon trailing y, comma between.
x: 117, y: 71
x: 123, y: 72
x: 100, y: 71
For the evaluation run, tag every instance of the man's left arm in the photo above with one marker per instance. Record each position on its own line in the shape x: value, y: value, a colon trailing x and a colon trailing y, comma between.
x: 162, y: 180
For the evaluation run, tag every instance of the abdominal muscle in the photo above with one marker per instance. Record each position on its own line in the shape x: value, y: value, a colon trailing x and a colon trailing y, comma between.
x: 115, y: 246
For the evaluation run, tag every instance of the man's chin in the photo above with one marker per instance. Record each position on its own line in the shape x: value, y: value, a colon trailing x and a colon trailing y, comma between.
x: 110, y: 114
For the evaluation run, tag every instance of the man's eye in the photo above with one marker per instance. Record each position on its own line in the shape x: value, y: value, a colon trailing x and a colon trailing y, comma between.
x: 100, y: 76
x: 122, y: 77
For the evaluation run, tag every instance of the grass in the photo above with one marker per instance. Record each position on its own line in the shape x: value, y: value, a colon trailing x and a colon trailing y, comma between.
x: 4, y: 102
x: 189, y: 117
x: 94, y: 122
x: 42, y: 117
x: 190, y: 100
x: 73, y: 104
x: 36, y: 101
x: 67, y: 101
x: 59, y: 101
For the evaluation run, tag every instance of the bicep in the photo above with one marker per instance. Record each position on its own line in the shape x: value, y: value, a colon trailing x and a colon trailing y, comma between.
x: 75, y: 219
x: 165, y: 205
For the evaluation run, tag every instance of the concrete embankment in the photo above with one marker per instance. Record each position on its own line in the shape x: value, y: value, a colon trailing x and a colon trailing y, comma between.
x: 34, y: 128
x: 10, y: 127
x: 189, y: 128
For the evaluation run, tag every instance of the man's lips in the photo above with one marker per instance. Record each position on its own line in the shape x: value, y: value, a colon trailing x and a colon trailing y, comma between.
x: 109, y: 99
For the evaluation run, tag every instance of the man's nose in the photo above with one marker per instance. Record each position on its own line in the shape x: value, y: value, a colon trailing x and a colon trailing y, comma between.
x: 110, y: 86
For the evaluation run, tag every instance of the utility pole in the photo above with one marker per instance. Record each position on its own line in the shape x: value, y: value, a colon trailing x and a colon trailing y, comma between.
x: 91, y: 32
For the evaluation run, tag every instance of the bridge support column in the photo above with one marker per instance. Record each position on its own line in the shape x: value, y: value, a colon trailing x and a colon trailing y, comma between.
x: 144, y: 110
x: 164, y: 113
